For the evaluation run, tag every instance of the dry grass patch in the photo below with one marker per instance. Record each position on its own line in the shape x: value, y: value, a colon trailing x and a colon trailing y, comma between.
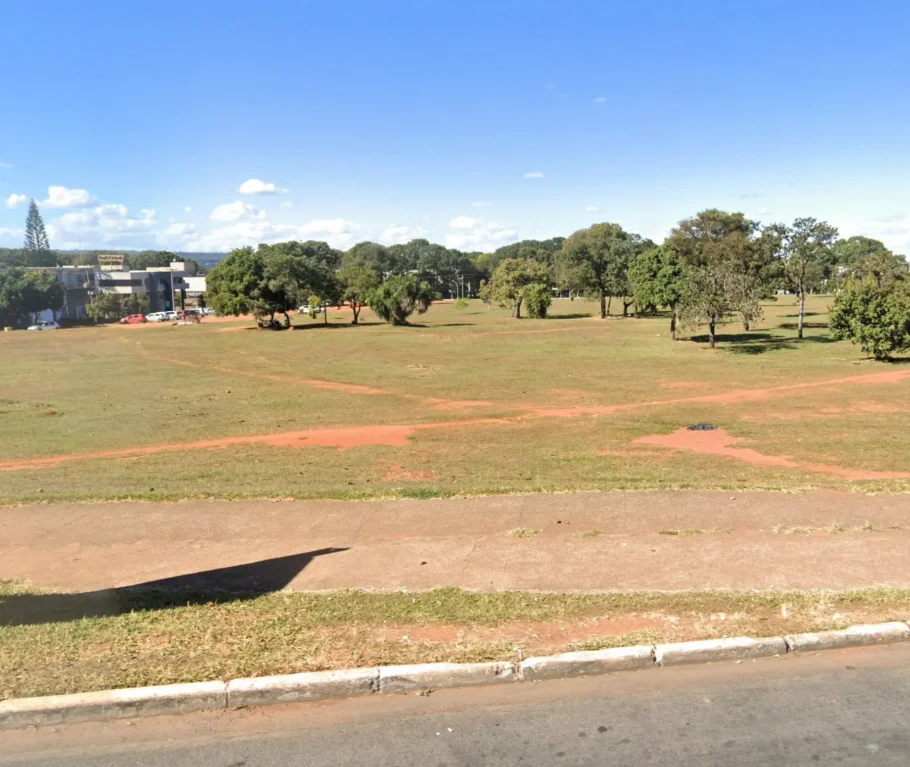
x: 159, y: 638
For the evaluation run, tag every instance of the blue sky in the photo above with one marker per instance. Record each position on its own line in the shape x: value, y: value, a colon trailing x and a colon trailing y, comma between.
x: 469, y: 123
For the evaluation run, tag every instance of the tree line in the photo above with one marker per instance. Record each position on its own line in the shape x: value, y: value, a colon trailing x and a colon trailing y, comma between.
x: 713, y: 266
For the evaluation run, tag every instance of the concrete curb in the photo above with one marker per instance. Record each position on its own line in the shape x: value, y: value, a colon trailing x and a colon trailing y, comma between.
x: 349, y: 683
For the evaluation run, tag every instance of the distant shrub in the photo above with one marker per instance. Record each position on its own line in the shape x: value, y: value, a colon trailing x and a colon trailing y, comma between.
x: 462, y: 303
x: 537, y: 298
x: 875, y: 317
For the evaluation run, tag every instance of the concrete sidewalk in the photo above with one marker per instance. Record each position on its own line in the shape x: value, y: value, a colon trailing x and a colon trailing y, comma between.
x: 467, y: 542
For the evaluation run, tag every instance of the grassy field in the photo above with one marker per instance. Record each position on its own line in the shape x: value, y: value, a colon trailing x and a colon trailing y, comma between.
x: 463, y: 402
x: 162, y: 638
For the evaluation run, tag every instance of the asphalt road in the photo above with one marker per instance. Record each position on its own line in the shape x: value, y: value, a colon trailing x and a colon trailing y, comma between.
x: 847, y: 707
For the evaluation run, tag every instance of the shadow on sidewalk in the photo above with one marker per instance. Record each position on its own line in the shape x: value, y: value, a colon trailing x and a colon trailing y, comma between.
x: 225, y: 584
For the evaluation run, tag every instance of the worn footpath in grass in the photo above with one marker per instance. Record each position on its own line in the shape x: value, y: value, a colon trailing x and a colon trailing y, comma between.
x: 136, y: 639
x: 87, y: 390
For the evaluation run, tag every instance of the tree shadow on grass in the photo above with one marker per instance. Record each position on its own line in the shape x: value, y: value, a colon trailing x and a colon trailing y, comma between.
x: 758, y: 342
x: 807, y: 314
x: 225, y: 584
x: 570, y: 316
x: 316, y: 325
x: 807, y: 325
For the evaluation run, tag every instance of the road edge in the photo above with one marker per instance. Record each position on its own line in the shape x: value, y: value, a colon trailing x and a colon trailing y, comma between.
x: 134, y: 702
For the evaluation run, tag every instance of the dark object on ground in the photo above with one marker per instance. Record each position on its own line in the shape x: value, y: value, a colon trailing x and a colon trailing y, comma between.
x: 701, y: 427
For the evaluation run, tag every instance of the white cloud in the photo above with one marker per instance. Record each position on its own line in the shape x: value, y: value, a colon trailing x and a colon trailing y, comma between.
x: 481, y: 204
x: 462, y: 222
x: 6, y: 165
x: 257, y: 186
x: 102, y: 224
x: 397, y: 234
x: 592, y: 208
x: 764, y: 211
x: 475, y: 234
x: 337, y: 232
x: 187, y: 209
x: 236, y: 211
x: 286, y: 204
x: 63, y: 197
x: 600, y: 99
x: 10, y: 232
x: 534, y: 174
x: 15, y: 200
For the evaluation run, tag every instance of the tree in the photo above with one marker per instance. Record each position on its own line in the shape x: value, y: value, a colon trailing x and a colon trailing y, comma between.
x: 25, y: 294
x: 537, y: 298
x: 105, y: 306
x: 510, y: 277
x: 272, y: 280
x: 806, y: 257
x: 233, y: 285
x: 399, y: 297
x: 135, y: 303
x: 358, y: 279
x: 37, y: 248
x: 596, y: 260
x: 877, y: 317
x: 711, y: 247
x: 657, y: 282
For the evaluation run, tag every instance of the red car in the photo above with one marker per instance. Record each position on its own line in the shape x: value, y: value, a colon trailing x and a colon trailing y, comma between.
x: 133, y: 319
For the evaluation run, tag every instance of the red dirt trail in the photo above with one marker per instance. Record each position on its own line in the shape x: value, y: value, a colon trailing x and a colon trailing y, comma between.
x: 341, y: 438
x: 397, y: 435
x: 719, y: 442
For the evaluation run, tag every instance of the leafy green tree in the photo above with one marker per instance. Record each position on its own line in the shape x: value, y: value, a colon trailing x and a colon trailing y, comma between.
x: 882, y: 267
x: 106, y: 306
x: 25, y: 294
x: 37, y: 248
x: 135, y: 303
x: 596, y: 260
x: 149, y: 258
x: 272, y: 280
x: 847, y: 252
x: 399, y: 297
x: 542, y: 251
x: 805, y: 253
x: 877, y: 317
x: 357, y: 278
x: 510, y: 277
x: 658, y: 282
x: 711, y: 247
x: 234, y: 284
x: 537, y: 299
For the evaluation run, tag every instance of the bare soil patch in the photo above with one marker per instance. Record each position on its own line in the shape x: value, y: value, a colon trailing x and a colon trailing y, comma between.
x: 720, y: 442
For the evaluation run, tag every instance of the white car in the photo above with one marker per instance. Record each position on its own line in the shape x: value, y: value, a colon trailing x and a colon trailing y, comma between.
x: 305, y: 309
x: 44, y: 325
x: 156, y: 317
x: 170, y: 316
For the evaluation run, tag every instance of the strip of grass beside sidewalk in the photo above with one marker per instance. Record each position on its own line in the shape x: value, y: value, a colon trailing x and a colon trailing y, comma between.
x: 136, y: 639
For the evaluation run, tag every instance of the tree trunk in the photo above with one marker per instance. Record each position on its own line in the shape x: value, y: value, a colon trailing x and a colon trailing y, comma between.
x: 287, y: 319
x: 609, y: 301
x: 711, y: 325
x: 356, y: 309
x: 745, y: 324
x: 325, y: 315
x: 625, y: 307
x: 673, y: 325
x: 516, y: 312
x: 603, y: 306
x: 802, y: 312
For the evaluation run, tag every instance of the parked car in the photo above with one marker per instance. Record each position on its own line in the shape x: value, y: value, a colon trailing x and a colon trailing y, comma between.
x: 305, y: 309
x: 156, y: 317
x: 207, y: 311
x: 133, y: 319
x: 44, y: 325
x: 169, y: 316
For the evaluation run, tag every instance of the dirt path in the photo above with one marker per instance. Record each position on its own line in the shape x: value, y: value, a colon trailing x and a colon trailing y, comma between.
x: 578, y: 542
x: 398, y: 434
